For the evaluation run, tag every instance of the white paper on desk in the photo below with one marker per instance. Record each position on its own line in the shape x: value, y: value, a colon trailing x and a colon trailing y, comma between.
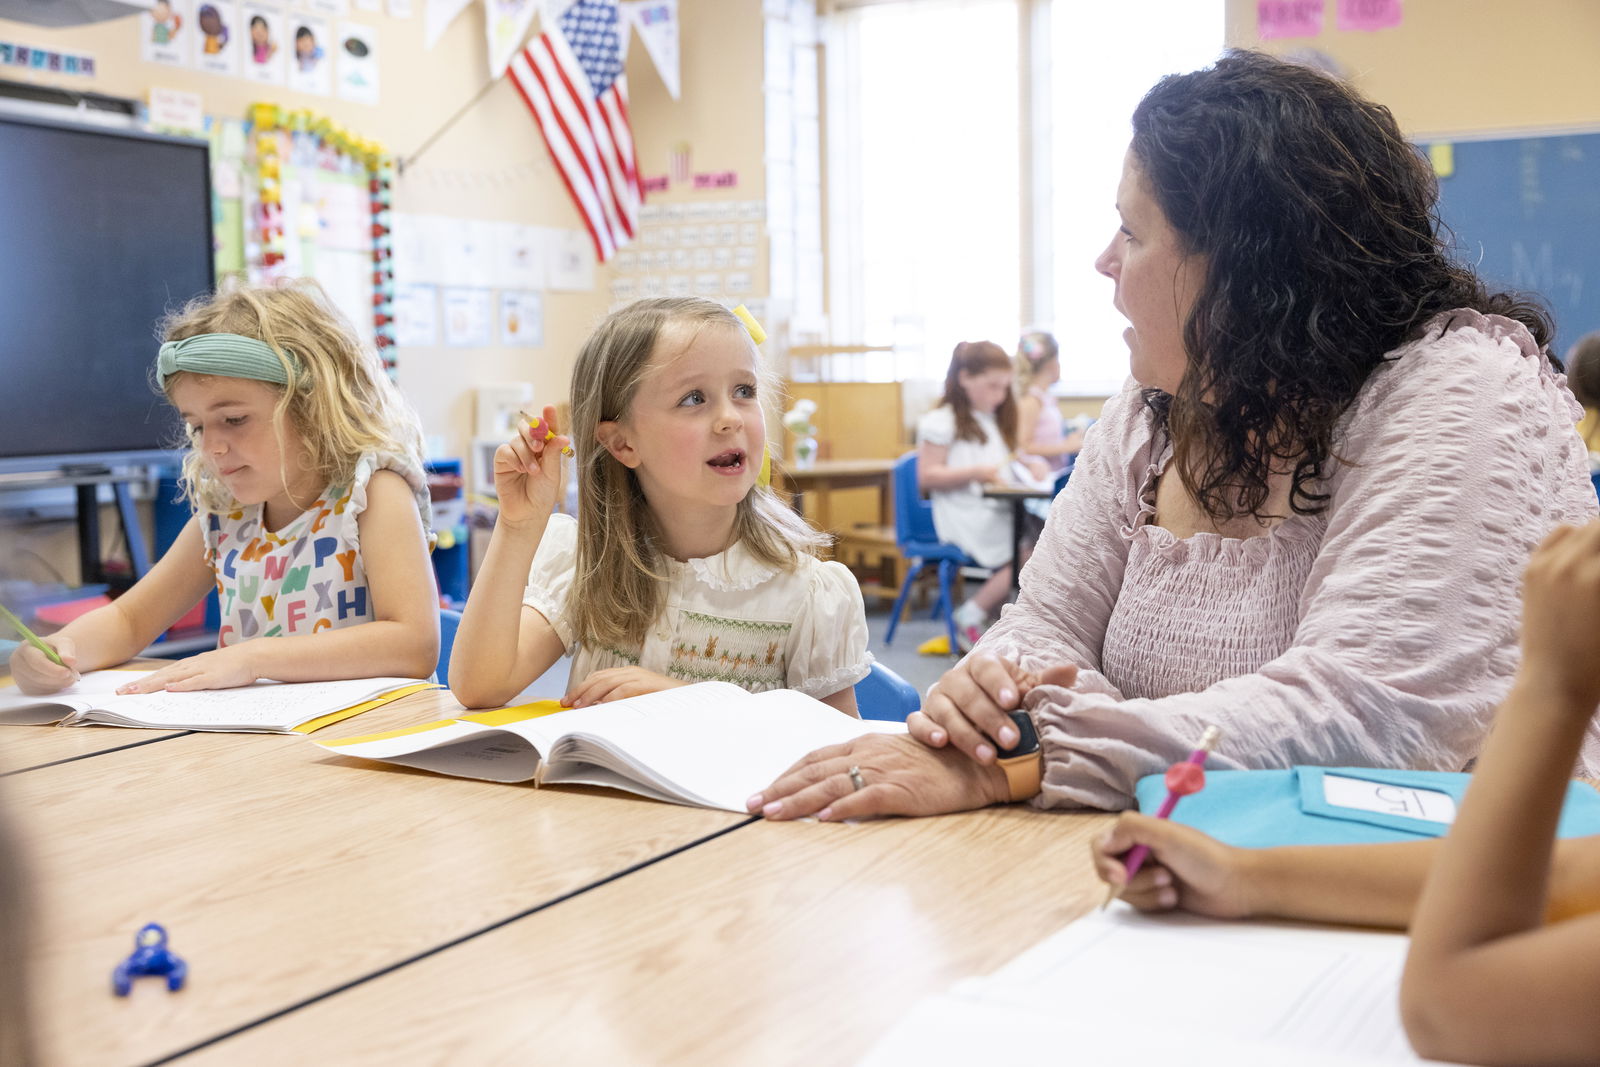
x: 86, y: 694
x: 1017, y: 473
x: 1235, y: 993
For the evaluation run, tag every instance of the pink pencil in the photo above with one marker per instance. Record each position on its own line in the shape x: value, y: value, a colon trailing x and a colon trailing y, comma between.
x: 1183, y: 778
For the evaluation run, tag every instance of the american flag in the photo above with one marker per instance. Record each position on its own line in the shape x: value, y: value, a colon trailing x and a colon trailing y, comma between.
x: 570, y: 76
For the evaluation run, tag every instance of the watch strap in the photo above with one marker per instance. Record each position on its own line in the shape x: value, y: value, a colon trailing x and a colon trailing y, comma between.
x: 1024, y: 774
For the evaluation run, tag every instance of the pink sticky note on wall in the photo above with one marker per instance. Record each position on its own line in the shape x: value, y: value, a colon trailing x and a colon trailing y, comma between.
x: 1288, y: 18
x: 1368, y: 14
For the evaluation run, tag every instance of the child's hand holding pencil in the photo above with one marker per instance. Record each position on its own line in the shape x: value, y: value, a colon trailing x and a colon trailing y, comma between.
x: 1185, y: 868
x: 527, y: 470
x: 37, y: 666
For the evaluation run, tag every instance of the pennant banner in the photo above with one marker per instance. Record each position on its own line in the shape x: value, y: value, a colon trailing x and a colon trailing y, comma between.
x: 507, y: 22
x: 656, y: 23
x: 440, y: 14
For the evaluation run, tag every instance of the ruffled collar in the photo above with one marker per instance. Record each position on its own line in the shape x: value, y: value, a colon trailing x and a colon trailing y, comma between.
x: 1205, y: 545
x: 731, y: 570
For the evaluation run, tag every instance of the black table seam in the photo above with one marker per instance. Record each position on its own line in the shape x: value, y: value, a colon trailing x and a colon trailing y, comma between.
x: 460, y: 939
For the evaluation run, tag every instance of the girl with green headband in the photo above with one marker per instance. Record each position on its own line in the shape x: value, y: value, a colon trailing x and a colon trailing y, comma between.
x: 304, y: 470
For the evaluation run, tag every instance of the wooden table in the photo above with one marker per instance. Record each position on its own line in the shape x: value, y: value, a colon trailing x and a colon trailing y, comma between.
x: 826, y: 475
x: 284, y: 874
x: 337, y: 911
x: 775, y: 944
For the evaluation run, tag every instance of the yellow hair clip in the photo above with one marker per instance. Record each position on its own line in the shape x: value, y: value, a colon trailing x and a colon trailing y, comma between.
x: 757, y: 334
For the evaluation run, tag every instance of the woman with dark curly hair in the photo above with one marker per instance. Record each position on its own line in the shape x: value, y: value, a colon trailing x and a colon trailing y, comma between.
x: 1302, y: 520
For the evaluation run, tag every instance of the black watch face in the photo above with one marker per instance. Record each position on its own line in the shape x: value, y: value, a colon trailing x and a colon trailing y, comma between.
x: 1027, y: 738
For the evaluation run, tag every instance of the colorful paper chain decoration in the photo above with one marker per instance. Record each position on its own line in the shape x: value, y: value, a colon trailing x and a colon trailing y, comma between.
x: 269, y: 125
x: 380, y: 185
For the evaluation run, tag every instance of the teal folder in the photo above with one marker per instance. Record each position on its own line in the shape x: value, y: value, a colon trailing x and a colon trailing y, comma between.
x: 1260, y: 809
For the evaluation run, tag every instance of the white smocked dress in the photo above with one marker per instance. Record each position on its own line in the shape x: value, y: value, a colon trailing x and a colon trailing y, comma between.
x: 728, y: 618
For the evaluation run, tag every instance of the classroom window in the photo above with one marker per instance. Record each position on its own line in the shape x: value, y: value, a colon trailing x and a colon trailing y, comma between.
x: 934, y: 236
x: 1097, y: 76
x: 924, y: 117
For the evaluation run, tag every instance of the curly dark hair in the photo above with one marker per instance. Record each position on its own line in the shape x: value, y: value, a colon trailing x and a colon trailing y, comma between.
x: 970, y: 358
x: 1323, y: 252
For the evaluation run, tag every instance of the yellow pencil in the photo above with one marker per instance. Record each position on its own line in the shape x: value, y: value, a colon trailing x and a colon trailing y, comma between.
x: 534, y: 420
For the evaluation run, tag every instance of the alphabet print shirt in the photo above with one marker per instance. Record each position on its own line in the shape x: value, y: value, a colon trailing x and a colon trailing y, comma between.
x: 308, y: 575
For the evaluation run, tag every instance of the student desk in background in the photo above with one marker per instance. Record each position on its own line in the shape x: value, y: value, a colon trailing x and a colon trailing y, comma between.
x: 826, y: 475
x: 356, y: 911
x: 1019, y: 497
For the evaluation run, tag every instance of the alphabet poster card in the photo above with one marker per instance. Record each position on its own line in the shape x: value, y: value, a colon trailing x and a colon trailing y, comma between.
x: 165, y: 32
x: 219, y: 37
x: 310, y: 60
x: 267, y: 44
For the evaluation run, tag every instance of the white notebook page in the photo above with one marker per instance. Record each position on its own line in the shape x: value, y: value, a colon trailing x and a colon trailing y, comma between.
x: 1225, y: 992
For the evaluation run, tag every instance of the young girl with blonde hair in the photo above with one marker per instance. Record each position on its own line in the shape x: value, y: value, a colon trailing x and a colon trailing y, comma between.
x: 311, y: 512
x: 679, y: 567
x: 1041, y: 431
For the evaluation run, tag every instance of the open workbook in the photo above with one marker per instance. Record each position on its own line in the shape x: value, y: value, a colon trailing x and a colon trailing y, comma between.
x: 711, y: 744
x: 265, y: 707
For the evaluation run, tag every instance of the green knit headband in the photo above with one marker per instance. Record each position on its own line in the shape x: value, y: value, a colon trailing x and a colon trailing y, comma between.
x: 226, y: 355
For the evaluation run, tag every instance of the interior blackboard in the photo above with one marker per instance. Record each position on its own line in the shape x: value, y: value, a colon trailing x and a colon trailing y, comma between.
x: 1526, y: 214
x: 102, y: 231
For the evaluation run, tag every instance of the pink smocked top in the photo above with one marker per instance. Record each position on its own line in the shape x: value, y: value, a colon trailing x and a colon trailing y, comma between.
x: 1380, y: 632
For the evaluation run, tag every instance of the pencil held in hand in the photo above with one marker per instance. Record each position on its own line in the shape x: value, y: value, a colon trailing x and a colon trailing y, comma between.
x: 534, y: 421
x: 1184, y: 777
x: 29, y: 636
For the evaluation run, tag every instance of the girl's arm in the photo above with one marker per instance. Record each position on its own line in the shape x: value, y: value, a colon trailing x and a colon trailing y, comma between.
x: 1485, y: 977
x: 121, y: 629
x: 844, y: 700
x: 501, y: 645
x: 402, y: 640
x: 932, y: 473
x: 1362, y: 885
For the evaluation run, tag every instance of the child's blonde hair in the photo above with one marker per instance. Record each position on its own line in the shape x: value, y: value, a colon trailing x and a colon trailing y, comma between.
x: 618, y: 591
x: 338, y: 396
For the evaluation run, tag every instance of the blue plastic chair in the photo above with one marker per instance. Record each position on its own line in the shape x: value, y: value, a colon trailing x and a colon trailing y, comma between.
x: 920, y: 544
x: 449, y: 621
x: 883, y: 694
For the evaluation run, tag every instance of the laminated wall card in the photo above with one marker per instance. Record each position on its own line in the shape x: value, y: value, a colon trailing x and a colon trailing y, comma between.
x: 267, y: 44
x: 219, y: 37
x: 358, y: 63
x: 310, y: 65
x: 166, y: 32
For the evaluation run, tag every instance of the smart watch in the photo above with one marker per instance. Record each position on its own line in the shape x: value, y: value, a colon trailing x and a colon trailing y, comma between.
x: 1023, y: 762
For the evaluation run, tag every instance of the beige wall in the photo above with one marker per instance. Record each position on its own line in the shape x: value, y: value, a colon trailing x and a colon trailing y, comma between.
x: 1463, y: 66
x: 464, y: 173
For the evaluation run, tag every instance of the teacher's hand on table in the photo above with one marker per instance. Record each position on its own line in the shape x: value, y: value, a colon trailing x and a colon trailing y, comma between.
x: 970, y: 706
x: 893, y: 775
